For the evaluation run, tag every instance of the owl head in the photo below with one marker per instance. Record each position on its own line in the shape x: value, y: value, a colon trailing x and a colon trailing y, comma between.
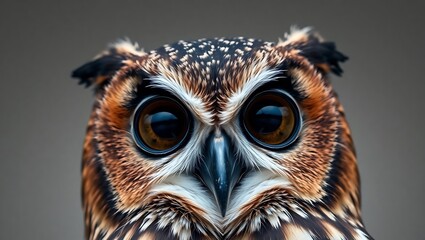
x: 222, y: 138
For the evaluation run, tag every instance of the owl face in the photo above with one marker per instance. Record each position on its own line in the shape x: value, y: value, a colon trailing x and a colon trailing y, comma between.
x: 219, y: 138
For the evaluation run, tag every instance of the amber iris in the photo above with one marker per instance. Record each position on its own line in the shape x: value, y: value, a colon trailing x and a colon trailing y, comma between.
x: 271, y: 118
x: 161, y: 124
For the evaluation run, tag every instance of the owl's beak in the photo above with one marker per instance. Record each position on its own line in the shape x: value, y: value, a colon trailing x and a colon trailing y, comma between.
x: 219, y: 169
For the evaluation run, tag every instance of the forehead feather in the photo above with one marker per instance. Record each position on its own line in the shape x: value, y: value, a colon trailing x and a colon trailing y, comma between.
x: 211, y: 67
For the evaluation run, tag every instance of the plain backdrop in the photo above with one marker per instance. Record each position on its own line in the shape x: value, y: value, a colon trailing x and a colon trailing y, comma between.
x: 44, y: 112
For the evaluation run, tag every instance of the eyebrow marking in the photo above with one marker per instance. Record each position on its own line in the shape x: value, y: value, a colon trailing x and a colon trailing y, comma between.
x: 238, y: 98
x: 186, y: 96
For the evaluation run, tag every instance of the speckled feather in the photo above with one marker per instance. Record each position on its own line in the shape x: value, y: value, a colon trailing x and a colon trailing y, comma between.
x: 309, y: 191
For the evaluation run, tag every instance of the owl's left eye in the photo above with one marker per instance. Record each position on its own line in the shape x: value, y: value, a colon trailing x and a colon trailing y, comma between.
x: 160, y: 125
x: 272, y: 119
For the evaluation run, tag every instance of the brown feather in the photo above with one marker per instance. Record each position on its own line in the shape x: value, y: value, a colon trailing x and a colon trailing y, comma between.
x: 120, y: 185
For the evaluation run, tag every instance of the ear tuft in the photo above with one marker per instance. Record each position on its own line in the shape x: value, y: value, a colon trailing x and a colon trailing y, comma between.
x: 311, y: 45
x: 104, y: 66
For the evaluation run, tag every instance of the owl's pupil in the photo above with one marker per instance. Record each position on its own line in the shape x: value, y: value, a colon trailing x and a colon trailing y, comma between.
x: 165, y: 125
x: 267, y: 119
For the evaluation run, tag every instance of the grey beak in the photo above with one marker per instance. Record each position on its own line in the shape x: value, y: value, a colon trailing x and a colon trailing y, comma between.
x: 219, y: 169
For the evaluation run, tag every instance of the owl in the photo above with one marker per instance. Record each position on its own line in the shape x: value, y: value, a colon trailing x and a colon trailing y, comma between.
x: 222, y: 138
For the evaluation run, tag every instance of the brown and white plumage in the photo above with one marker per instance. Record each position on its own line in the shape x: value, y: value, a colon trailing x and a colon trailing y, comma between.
x: 306, y: 190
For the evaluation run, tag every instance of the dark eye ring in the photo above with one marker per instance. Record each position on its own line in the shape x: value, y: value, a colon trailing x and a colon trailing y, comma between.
x: 271, y: 119
x: 160, y: 125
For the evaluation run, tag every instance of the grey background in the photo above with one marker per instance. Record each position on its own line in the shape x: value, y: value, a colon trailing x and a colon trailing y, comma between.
x: 44, y: 112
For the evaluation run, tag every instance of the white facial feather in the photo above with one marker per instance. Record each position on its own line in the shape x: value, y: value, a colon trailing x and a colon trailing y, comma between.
x: 189, y: 188
x: 192, y: 102
x: 252, y: 155
x: 186, y: 187
x: 252, y: 185
x: 185, y: 159
x: 238, y: 98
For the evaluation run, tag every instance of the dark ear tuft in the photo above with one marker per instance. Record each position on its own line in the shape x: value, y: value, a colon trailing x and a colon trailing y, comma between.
x: 323, y: 55
x: 101, y: 69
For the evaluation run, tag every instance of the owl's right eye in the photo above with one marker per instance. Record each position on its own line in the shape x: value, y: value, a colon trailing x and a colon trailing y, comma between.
x: 160, y: 125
